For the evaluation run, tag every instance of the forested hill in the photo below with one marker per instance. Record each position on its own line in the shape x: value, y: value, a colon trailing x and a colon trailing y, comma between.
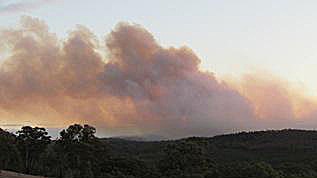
x: 79, y: 154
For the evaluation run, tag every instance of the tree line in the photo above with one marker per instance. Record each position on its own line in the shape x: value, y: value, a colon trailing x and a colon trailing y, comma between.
x: 78, y: 153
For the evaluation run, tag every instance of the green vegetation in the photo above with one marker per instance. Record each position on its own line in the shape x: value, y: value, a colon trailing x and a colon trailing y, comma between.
x: 78, y: 153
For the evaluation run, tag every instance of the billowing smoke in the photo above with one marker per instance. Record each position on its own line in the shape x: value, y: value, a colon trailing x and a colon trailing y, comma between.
x: 138, y: 87
x: 277, y: 104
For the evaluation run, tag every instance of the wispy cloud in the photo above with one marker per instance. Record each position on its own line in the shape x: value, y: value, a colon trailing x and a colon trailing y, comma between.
x: 14, y: 6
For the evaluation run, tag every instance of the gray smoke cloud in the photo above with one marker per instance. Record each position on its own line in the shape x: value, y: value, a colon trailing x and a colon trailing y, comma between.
x: 139, y: 87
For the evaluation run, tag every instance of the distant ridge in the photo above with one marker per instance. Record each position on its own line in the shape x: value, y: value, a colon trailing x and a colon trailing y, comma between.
x: 145, y: 138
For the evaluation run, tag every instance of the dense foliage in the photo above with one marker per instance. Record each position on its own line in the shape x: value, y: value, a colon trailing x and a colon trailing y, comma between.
x: 78, y: 153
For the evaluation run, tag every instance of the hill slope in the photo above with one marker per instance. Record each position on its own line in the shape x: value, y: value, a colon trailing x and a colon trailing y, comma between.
x: 8, y: 174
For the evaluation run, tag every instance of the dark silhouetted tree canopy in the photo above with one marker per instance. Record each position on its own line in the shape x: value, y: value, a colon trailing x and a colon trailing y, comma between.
x: 78, y: 153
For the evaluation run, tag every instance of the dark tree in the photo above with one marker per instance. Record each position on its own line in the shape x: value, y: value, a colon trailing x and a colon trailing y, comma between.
x: 78, y: 133
x: 9, y: 155
x: 72, y: 155
x: 71, y: 134
x: 88, y: 133
x: 31, y: 143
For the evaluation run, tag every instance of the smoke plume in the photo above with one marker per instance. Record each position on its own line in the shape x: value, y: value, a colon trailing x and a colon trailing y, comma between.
x: 138, y: 87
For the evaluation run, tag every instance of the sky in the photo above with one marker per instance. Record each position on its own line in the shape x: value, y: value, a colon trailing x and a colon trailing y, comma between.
x: 238, y: 41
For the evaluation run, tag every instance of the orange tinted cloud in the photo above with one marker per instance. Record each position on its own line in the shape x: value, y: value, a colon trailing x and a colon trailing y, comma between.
x: 270, y: 97
x: 277, y: 103
x: 140, y: 87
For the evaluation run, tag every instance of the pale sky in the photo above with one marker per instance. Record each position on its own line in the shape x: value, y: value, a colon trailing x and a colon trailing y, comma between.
x: 231, y: 37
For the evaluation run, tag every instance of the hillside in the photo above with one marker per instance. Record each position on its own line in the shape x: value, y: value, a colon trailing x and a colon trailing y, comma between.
x: 277, y: 154
x: 8, y: 174
x: 272, y: 146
